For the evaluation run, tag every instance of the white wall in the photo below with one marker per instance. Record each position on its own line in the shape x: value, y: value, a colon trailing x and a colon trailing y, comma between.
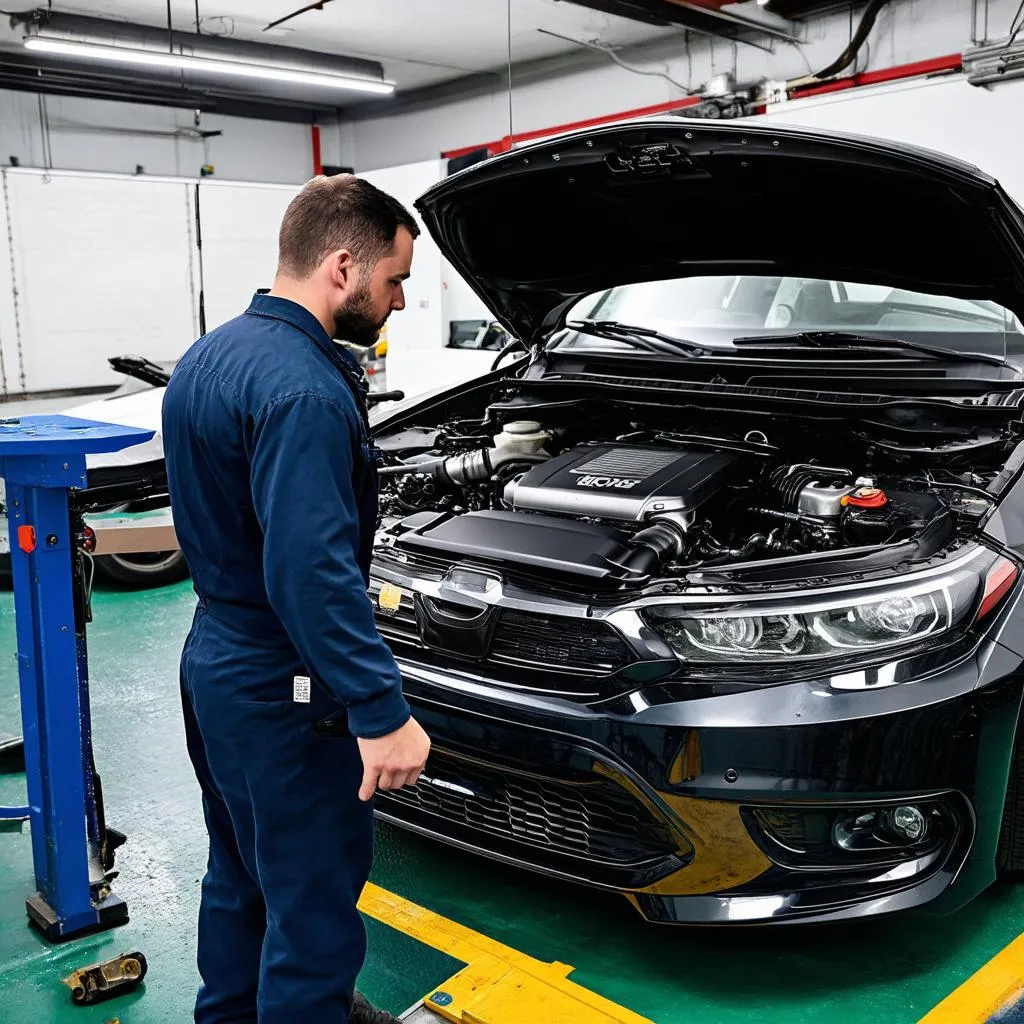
x: 240, y: 224
x: 417, y: 359
x: 977, y: 125
x: 108, y: 265
x: 906, y: 31
x: 103, y: 135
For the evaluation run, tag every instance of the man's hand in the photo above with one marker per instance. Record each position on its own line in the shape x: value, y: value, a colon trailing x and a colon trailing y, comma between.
x: 395, y: 760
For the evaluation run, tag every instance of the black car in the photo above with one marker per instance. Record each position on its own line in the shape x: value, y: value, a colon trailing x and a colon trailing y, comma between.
x: 711, y: 596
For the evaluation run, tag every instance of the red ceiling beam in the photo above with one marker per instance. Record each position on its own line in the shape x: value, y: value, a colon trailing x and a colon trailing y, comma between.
x: 935, y: 65
x: 506, y: 143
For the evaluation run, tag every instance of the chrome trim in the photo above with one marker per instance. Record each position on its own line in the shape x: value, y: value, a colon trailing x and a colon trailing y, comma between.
x: 908, y: 869
x: 453, y: 787
x: 514, y: 597
x: 492, y: 689
x: 803, y: 703
x: 803, y: 595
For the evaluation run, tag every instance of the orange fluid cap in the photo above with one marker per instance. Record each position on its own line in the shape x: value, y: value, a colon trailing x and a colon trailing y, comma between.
x: 866, y: 497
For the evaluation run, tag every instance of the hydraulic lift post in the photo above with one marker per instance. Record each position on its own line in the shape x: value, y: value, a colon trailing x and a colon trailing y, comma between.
x: 42, y: 459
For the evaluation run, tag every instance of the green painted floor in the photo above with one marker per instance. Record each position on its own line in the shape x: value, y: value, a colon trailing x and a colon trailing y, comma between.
x: 889, y: 972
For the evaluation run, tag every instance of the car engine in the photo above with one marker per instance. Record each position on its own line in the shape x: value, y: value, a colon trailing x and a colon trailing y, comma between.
x: 628, y: 484
x: 627, y: 507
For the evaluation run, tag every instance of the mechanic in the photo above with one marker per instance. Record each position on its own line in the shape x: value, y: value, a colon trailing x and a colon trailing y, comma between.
x: 272, y: 478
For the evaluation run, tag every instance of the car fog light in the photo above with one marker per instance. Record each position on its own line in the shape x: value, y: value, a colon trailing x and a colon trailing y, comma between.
x: 822, y: 837
x: 849, y: 833
x: 907, y: 822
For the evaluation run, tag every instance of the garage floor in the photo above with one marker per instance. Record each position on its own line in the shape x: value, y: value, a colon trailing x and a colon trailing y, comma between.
x: 893, y: 971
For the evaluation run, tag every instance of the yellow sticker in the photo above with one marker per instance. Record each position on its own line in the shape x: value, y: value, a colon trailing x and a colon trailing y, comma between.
x: 390, y: 598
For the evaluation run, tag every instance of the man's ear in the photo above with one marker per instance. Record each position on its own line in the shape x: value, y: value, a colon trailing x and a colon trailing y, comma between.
x: 342, y: 268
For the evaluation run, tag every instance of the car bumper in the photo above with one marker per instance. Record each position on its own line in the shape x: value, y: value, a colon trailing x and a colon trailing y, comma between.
x: 659, y: 799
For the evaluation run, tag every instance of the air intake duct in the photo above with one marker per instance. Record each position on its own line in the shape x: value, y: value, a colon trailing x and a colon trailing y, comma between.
x: 653, y: 547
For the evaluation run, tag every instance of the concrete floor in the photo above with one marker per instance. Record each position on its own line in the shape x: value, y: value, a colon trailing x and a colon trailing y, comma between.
x: 887, y: 972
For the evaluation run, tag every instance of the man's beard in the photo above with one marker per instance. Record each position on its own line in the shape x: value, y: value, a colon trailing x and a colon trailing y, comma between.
x: 355, y: 322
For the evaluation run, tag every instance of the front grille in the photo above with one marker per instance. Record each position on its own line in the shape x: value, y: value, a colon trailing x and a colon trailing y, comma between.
x: 553, y: 643
x: 560, y: 643
x: 593, y: 818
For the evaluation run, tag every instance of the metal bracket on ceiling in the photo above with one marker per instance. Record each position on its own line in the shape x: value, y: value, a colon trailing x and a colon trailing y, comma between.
x: 756, y: 19
x: 995, y: 62
x: 730, y: 21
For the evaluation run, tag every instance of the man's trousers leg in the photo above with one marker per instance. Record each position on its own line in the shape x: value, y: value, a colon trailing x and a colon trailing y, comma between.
x: 302, y: 832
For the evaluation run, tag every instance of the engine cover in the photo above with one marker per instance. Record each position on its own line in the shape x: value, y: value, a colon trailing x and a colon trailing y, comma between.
x: 625, y: 483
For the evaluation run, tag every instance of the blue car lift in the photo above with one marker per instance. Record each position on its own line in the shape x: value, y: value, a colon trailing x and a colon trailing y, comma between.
x: 42, y: 460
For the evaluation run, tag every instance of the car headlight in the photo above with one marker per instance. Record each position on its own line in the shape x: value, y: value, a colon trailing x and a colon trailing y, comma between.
x: 858, y: 620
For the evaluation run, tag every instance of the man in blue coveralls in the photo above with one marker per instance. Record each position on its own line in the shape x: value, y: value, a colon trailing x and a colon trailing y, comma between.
x: 273, y: 487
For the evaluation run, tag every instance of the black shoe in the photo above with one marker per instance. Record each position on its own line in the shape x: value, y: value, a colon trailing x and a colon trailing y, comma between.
x: 363, y: 1013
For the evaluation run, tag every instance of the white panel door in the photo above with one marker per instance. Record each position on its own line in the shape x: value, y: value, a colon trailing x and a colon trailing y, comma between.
x: 240, y: 223
x: 9, y: 325
x: 103, y: 267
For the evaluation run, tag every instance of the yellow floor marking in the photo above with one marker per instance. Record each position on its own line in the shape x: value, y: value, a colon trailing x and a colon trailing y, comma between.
x: 499, y: 985
x: 994, y: 987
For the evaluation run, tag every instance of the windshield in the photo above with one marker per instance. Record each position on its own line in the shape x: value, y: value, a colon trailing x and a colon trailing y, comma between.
x: 716, y: 310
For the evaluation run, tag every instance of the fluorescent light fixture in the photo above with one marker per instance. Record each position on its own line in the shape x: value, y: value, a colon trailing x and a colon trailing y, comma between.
x: 206, y: 65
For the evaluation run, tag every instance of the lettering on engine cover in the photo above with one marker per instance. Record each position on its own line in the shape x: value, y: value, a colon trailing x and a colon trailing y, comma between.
x: 622, y: 483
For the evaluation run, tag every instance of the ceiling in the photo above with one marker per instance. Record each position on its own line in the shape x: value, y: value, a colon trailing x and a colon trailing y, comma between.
x: 418, y: 42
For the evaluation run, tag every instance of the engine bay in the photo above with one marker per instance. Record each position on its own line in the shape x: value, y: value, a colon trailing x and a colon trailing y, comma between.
x: 608, y: 494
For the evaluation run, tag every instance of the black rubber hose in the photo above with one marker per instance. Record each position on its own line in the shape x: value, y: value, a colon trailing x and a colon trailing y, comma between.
x: 513, y: 344
x: 652, y: 547
x: 849, y: 55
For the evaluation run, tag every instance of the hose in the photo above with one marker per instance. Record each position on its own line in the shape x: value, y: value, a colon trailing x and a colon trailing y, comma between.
x: 710, y: 548
x: 470, y: 467
x: 652, y: 547
x: 513, y: 344
x: 849, y: 55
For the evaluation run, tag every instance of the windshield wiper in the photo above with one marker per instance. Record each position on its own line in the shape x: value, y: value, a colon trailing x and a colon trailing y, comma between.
x: 141, y: 369
x: 645, y: 338
x: 849, y: 339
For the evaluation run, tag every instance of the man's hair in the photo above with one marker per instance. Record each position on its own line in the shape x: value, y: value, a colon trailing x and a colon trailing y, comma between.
x: 339, y: 212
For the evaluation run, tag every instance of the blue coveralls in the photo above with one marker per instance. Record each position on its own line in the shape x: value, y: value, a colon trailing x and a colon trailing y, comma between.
x: 274, y: 493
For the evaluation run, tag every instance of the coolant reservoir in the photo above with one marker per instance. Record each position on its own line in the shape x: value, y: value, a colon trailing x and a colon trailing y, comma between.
x: 524, y: 437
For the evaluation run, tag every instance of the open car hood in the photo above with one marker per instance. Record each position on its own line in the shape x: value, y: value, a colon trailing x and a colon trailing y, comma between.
x: 538, y: 228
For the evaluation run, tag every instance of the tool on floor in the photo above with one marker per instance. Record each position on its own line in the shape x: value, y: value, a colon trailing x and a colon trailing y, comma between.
x: 12, y: 762
x: 114, y: 977
x: 42, y: 460
x: 12, y: 755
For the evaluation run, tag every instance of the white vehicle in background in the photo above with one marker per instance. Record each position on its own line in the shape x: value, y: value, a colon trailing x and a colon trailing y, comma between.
x: 129, y: 482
